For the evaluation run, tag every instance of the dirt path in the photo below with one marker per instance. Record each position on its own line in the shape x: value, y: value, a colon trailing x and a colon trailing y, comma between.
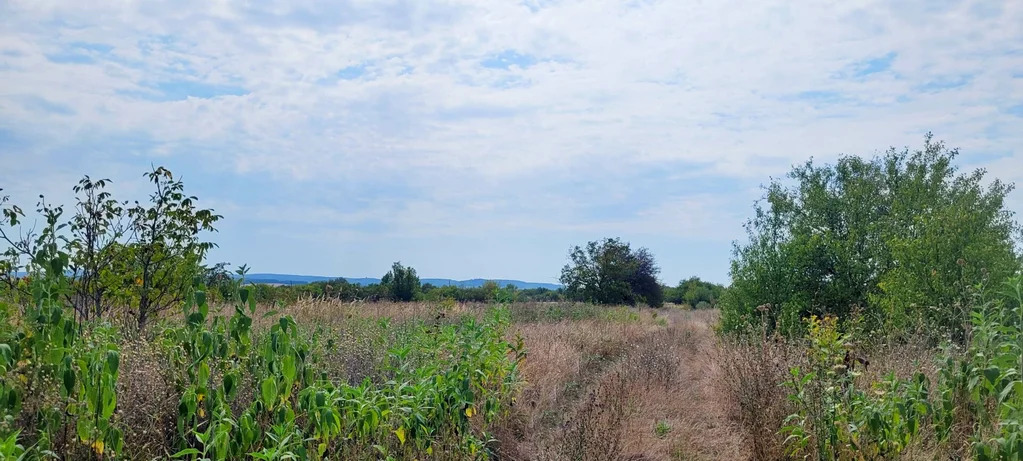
x: 642, y: 388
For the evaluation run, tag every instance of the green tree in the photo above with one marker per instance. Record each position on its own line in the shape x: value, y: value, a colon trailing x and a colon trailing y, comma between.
x: 95, y: 230
x: 694, y: 291
x: 898, y: 238
x: 610, y: 272
x: 166, y: 251
x: 401, y: 282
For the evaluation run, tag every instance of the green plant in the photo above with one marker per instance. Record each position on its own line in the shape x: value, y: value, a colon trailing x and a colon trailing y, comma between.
x: 401, y: 282
x: 95, y: 230
x: 901, y: 238
x: 662, y: 428
x: 166, y: 252
x: 979, y: 395
x: 610, y: 272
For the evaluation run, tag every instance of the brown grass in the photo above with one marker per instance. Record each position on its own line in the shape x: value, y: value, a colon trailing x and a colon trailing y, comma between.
x: 597, y: 389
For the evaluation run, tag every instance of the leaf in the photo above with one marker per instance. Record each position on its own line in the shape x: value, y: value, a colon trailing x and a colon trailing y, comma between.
x: 400, y: 432
x: 289, y: 367
x: 109, y: 402
x: 230, y: 384
x: 991, y: 374
x: 185, y: 452
x: 1015, y: 385
x: 268, y: 390
x: 113, y: 362
x: 69, y: 380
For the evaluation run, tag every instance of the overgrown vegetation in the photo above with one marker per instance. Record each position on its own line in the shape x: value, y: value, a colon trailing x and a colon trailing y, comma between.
x: 897, y: 242
x: 875, y: 313
x: 695, y: 293
x: 236, y: 382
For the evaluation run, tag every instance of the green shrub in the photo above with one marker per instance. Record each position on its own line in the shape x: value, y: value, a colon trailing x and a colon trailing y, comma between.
x: 902, y: 238
x: 979, y: 394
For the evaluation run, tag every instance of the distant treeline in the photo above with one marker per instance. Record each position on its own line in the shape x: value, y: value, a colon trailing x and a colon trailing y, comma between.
x: 693, y: 292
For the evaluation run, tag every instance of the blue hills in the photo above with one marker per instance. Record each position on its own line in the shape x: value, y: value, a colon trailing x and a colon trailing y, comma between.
x: 290, y: 279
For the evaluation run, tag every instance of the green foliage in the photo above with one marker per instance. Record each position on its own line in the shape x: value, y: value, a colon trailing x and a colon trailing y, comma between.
x: 610, y: 272
x: 439, y: 380
x: 142, y: 256
x: 241, y: 393
x: 401, y: 282
x: 166, y: 251
x: 695, y: 292
x: 95, y: 229
x: 662, y: 429
x: 45, y: 352
x: 979, y: 394
x: 900, y: 238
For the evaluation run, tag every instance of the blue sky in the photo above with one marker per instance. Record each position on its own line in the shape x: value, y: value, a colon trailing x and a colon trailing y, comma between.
x: 485, y: 138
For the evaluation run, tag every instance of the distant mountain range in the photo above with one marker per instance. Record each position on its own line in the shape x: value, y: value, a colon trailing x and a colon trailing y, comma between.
x: 289, y: 279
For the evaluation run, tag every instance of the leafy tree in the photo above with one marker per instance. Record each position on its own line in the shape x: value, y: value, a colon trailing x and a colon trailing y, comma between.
x: 38, y: 248
x: 490, y: 290
x: 166, y: 252
x: 508, y: 294
x: 95, y: 229
x: 610, y: 272
x: 895, y: 239
x: 401, y: 282
x: 694, y: 291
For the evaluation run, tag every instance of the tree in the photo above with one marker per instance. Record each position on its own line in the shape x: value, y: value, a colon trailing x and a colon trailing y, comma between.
x: 610, y: 272
x: 401, y: 282
x: 95, y: 229
x: 694, y: 291
x: 893, y: 240
x: 167, y: 252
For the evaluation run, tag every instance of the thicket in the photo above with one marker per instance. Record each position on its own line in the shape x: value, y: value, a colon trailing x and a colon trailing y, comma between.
x: 140, y: 257
x: 884, y: 252
x: 897, y: 243
x: 974, y: 410
x: 695, y: 293
x: 230, y: 382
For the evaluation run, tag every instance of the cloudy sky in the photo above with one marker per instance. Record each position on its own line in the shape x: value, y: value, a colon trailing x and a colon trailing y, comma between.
x: 483, y: 138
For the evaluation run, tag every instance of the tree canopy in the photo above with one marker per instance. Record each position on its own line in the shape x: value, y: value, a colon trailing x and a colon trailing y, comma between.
x: 896, y: 239
x: 401, y: 282
x: 610, y: 272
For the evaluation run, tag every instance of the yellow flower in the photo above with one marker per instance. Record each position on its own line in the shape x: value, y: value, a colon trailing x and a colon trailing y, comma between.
x: 469, y: 412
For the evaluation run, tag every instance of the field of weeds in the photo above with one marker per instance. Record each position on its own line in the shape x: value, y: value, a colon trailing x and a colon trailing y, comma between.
x: 622, y: 383
x: 321, y: 379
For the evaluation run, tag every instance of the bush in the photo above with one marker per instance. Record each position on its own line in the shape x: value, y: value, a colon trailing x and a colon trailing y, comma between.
x: 902, y: 238
x: 975, y: 410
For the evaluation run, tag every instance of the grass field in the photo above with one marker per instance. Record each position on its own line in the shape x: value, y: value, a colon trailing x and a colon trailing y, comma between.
x: 620, y: 383
x: 321, y: 379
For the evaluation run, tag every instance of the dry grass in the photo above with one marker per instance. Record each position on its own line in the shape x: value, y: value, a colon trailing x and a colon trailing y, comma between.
x: 599, y: 388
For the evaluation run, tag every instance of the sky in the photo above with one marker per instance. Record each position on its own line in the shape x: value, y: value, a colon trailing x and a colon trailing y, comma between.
x: 484, y: 138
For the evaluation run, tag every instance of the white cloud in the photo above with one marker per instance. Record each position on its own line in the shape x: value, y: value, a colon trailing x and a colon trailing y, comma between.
x: 739, y: 90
